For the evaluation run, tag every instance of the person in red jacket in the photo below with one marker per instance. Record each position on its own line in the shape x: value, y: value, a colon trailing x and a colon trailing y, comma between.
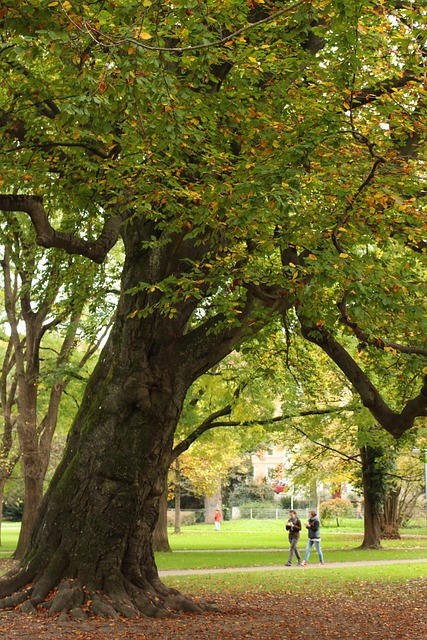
x: 217, y: 519
x: 293, y: 527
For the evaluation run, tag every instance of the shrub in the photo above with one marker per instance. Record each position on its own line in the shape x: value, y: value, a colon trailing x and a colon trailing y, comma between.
x: 186, y: 518
x: 251, y: 492
x: 13, y: 510
x: 336, y: 508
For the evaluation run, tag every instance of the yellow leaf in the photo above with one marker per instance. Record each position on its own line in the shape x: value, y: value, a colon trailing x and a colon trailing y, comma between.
x: 343, y: 255
x: 393, y: 351
x: 53, y: 4
x: 312, y: 256
x: 143, y: 35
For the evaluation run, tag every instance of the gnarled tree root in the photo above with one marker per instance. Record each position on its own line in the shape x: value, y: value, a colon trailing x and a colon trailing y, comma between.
x: 120, y: 598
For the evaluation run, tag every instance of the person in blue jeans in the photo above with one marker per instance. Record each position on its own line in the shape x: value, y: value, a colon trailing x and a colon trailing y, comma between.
x: 313, y: 526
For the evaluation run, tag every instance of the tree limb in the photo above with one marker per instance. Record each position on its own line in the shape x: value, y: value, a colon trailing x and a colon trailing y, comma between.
x: 108, y: 41
x: 374, y: 342
x: 210, y: 423
x: 393, y: 422
x: 207, y: 424
x: 48, y: 237
x: 325, y: 446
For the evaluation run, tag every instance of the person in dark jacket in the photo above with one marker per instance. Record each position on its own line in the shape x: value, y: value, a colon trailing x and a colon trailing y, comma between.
x: 293, y: 527
x: 313, y: 526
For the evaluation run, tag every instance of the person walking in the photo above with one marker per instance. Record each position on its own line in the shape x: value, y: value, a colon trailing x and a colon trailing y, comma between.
x: 293, y: 526
x: 217, y: 520
x: 313, y: 526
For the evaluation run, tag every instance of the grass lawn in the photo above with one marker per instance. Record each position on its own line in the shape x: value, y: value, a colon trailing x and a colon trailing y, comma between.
x: 264, y: 542
x: 246, y: 543
x: 9, y: 538
x: 344, y: 581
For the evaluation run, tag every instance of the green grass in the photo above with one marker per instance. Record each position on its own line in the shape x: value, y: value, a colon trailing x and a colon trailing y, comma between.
x: 271, y: 534
x: 256, y: 543
x: 209, y: 560
x: 9, y: 538
x: 339, y: 581
x: 339, y: 545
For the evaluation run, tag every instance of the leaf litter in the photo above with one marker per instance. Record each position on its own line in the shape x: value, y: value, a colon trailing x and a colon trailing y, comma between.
x: 366, y: 611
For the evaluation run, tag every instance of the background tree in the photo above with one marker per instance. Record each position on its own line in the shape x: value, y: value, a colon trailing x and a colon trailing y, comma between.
x: 157, y: 125
x: 404, y: 489
x: 46, y: 323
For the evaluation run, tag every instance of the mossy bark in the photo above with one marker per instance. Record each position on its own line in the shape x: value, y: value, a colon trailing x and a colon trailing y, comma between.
x: 92, y: 544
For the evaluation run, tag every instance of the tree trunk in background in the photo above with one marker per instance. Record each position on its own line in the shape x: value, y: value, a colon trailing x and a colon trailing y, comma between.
x: 177, y: 484
x: 2, y: 485
x: 211, y: 504
x: 390, y: 516
x: 373, y: 493
x: 160, y: 534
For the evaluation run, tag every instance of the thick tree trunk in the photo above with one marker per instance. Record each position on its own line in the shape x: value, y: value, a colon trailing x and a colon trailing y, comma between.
x: 372, y: 529
x: 373, y: 498
x: 95, y: 526
x: 93, y: 538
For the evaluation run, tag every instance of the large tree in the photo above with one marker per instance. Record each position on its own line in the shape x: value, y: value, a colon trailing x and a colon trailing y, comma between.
x: 237, y: 152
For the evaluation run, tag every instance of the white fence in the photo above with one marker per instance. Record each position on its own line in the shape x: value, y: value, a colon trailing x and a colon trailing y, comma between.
x: 192, y: 516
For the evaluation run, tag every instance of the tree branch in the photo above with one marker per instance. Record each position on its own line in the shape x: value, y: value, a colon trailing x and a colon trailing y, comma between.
x: 395, y: 423
x: 377, y: 161
x: 325, y: 446
x: 370, y: 94
x: 374, y: 342
x: 48, y: 237
x: 207, y: 424
x: 210, y: 423
x: 108, y: 41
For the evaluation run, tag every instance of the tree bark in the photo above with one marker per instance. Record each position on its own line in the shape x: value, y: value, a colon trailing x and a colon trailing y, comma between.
x: 390, y: 519
x: 2, y: 485
x: 373, y: 493
x: 160, y: 534
x: 94, y: 530
x: 177, y: 489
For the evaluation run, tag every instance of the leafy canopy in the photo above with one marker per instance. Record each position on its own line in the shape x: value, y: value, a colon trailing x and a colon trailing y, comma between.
x: 284, y: 142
